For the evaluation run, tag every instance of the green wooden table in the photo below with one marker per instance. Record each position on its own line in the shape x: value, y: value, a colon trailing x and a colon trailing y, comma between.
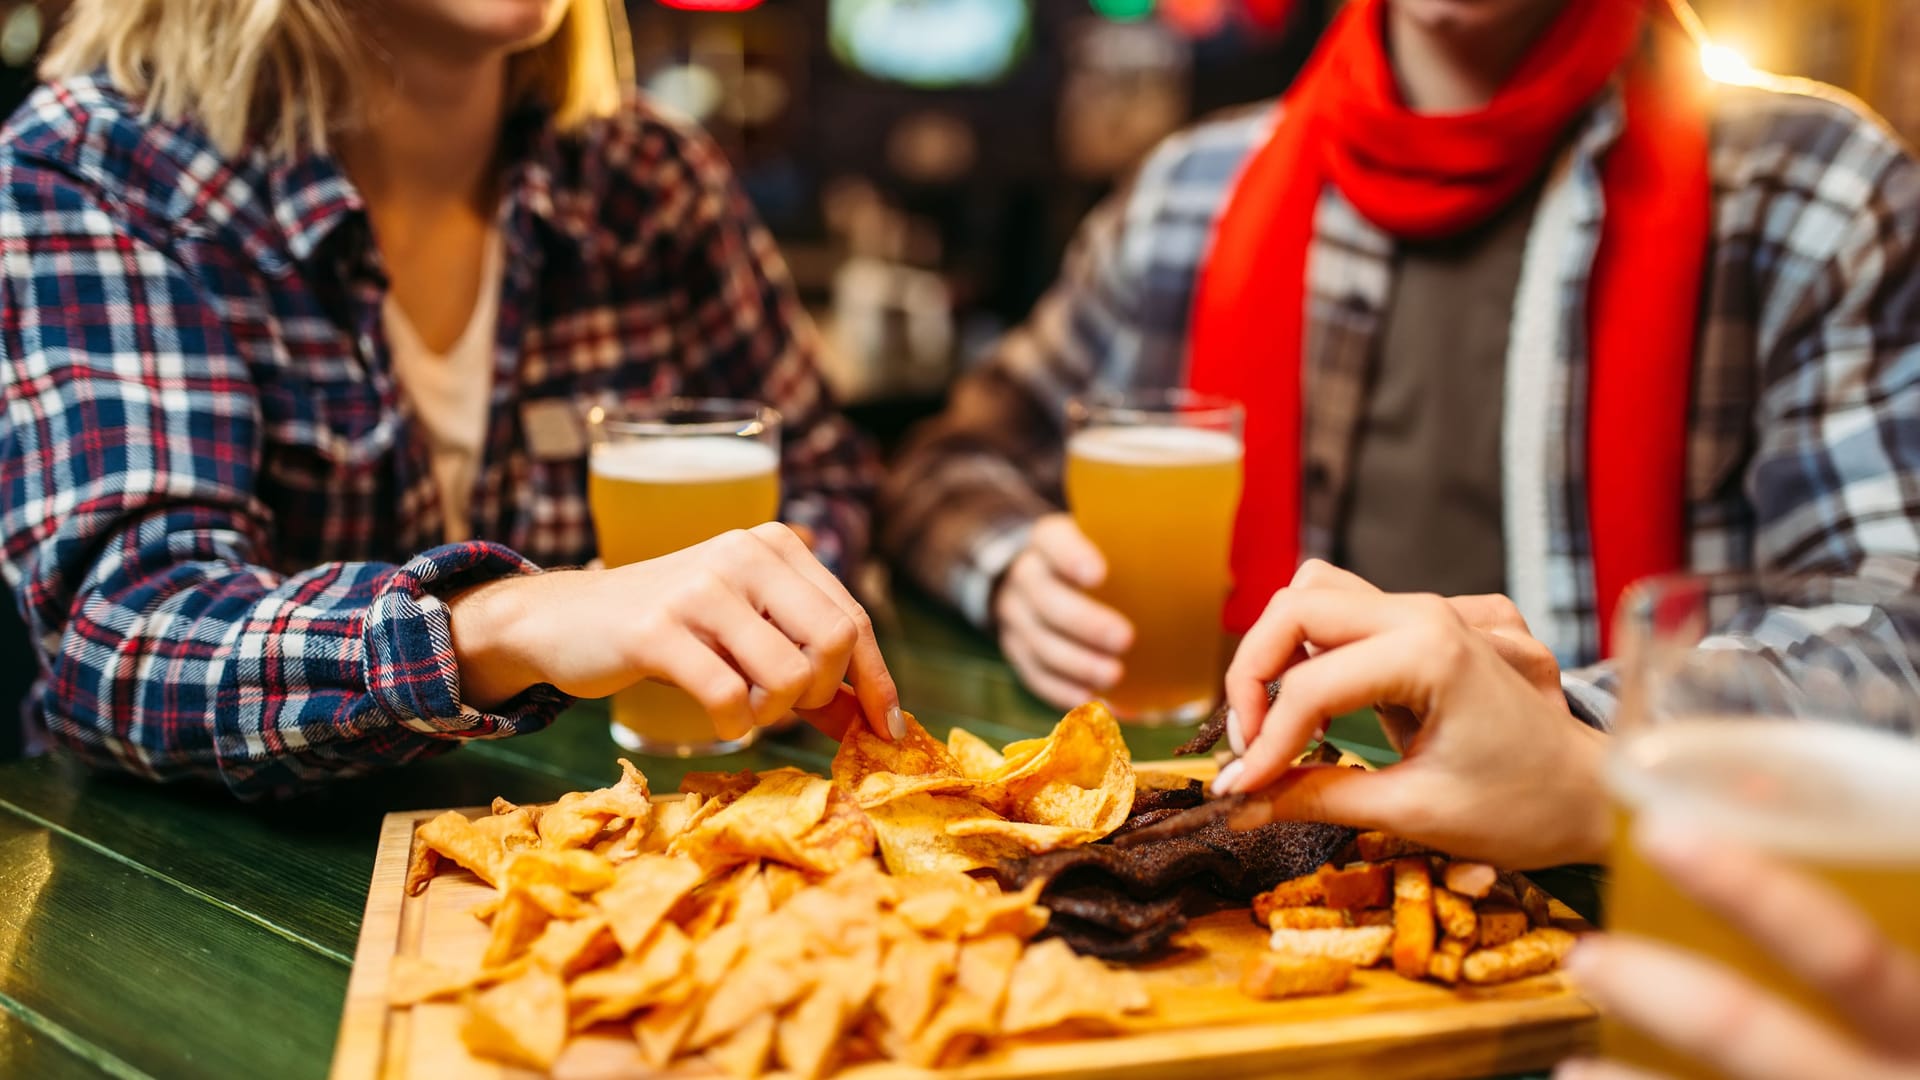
x: 148, y: 931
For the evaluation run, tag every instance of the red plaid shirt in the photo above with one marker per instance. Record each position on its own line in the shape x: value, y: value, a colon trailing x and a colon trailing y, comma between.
x: 218, y: 514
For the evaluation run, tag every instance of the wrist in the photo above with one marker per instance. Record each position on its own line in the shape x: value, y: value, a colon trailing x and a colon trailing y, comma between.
x: 488, y: 626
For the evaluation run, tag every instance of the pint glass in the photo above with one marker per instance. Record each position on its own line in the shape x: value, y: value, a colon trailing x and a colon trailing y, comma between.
x: 664, y: 476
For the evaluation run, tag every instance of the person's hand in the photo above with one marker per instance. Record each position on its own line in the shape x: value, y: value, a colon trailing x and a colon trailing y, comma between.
x: 1718, y: 1018
x: 749, y: 623
x: 1066, y: 646
x: 1483, y: 736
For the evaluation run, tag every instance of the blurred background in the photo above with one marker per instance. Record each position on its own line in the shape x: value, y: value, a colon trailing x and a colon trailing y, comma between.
x: 924, y: 162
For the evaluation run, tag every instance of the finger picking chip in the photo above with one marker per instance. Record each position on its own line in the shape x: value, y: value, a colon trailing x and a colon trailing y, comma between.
x: 1413, y: 918
x: 1305, y: 918
x: 1364, y: 886
x: 972, y: 756
x: 1052, y: 986
x: 1455, y: 913
x: 643, y: 891
x: 1533, y: 953
x: 522, y: 1021
x: 1499, y: 924
x: 877, y: 770
x: 1272, y: 976
x: 1361, y: 946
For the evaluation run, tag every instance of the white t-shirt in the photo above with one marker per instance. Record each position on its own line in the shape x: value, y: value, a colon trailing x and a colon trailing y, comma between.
x: 449, y: 391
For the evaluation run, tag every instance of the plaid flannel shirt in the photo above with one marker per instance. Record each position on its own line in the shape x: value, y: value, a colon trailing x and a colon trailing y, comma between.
x: 1804, y: 446
x: 218, y: 513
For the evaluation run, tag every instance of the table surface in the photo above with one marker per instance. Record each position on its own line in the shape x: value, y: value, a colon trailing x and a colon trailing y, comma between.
x: 150, y: 931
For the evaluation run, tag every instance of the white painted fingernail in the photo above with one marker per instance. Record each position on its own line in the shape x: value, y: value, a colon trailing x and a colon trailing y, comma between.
x: 1234, y: 738
x: 1229, y: 776
x: 897, y: 722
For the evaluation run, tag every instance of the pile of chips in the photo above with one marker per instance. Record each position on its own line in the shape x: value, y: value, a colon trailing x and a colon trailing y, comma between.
x: 749, y: 923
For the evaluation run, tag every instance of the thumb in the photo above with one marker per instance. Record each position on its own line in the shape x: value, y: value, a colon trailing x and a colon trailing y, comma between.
x: 1334, y: 794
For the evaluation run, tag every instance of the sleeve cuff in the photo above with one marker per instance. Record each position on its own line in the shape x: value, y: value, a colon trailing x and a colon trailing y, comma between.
x: 1589, y: 701
x: 412, y: 671
x: 977, y: 576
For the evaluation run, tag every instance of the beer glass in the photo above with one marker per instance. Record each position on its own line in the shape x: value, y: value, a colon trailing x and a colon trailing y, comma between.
x: 1153, y: 479
x: 1732, y: 721
x: 663, y: 476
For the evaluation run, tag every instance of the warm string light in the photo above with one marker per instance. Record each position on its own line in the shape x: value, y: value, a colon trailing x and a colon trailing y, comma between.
x: 1725, y: 64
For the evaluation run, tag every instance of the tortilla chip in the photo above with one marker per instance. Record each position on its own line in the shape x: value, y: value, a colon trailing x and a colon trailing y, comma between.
x: 422, y: 863
x: 972, y: 1007
x: 618, y: 991
x: 760, y: 986
x: 843, y: 837
x: 662, y: 1030
x: 911, y: 976
x: 975, y: 911
x: 578, y: 817
x: 568, y: 947
x: 744, y: 1053
x: 642, y: 893
x: 483, y: 846
x: 808, y: 1034
x: 877, y: 771
x: 972, y: 756
x: 413, y: 980
x: 518, y: 923
x: 670, y: 819
x: 783, y: 881
x: 1051, y: 986
x: 522, y: 1021
x: 914, y: 839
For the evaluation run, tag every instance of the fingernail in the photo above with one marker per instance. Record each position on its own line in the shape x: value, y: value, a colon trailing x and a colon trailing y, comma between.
x: 1234, y: 738
x: 1229, y: 776
x: 1669, y: 841
x: 897, y: 722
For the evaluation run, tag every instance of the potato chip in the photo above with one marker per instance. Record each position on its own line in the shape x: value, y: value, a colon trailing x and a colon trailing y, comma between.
x: 972, y: 1005
x: 914, y: 839
x: 972, y: 756
x: 783, y: 881
x: 574, y: 945
x: 578, y: 817
x: 877, y: 770
x: 911, y: 975
x: 1030, y: 837
x: 1051, y: 986
x: 522, y: 1021
x: 1082, y: 778
x: 719, y: 787
x: 519, y: 921
x: 618, y: 991
x: 643, y: 891
x: 843, y: 837
x: 482, y: 846
x: 744, y: 1053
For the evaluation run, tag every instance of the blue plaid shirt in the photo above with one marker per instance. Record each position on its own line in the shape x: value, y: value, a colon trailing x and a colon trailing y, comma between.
x: 218, y: 513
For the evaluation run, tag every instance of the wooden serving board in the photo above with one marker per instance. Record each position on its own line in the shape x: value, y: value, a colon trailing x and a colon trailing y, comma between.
x: 1201, y: 1025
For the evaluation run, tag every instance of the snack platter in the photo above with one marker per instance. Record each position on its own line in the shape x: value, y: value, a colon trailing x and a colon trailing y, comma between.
x: 1191, y: 1017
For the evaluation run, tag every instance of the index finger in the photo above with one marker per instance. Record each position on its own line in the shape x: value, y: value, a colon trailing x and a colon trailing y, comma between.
x: 866, y: 668
x: 1295, y: 618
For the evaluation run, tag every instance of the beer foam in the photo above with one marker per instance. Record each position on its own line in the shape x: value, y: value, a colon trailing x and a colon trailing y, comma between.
x: 1164, y: 445
x: 699, y: 459
x: 1822, y: 792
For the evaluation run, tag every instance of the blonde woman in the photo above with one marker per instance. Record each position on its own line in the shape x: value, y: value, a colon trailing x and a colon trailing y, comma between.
x: 292, y: 294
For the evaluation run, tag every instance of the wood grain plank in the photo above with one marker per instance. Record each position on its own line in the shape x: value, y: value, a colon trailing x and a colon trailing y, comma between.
x: 32, y: 1049
x: 174, y: 987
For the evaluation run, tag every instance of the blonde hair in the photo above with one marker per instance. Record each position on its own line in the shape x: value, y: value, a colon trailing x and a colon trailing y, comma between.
x: 283, y: 72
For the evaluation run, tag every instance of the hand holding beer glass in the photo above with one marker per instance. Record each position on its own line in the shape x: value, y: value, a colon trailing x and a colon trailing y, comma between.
x: 665, y: 476
x: 1153, y: 479
x: 1804, y: 758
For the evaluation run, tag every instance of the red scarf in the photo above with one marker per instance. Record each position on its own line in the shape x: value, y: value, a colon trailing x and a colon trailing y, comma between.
x: 1421, y: 177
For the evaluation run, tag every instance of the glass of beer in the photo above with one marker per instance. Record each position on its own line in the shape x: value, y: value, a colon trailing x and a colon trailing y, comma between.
x: 663, y: 476
x: 1731, y: 721
x: 1153, y: 479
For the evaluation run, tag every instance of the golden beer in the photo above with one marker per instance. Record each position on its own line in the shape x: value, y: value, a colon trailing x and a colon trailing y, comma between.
x: 1159, y: 502
x: 651, y: 496
x: 1837, y: 802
